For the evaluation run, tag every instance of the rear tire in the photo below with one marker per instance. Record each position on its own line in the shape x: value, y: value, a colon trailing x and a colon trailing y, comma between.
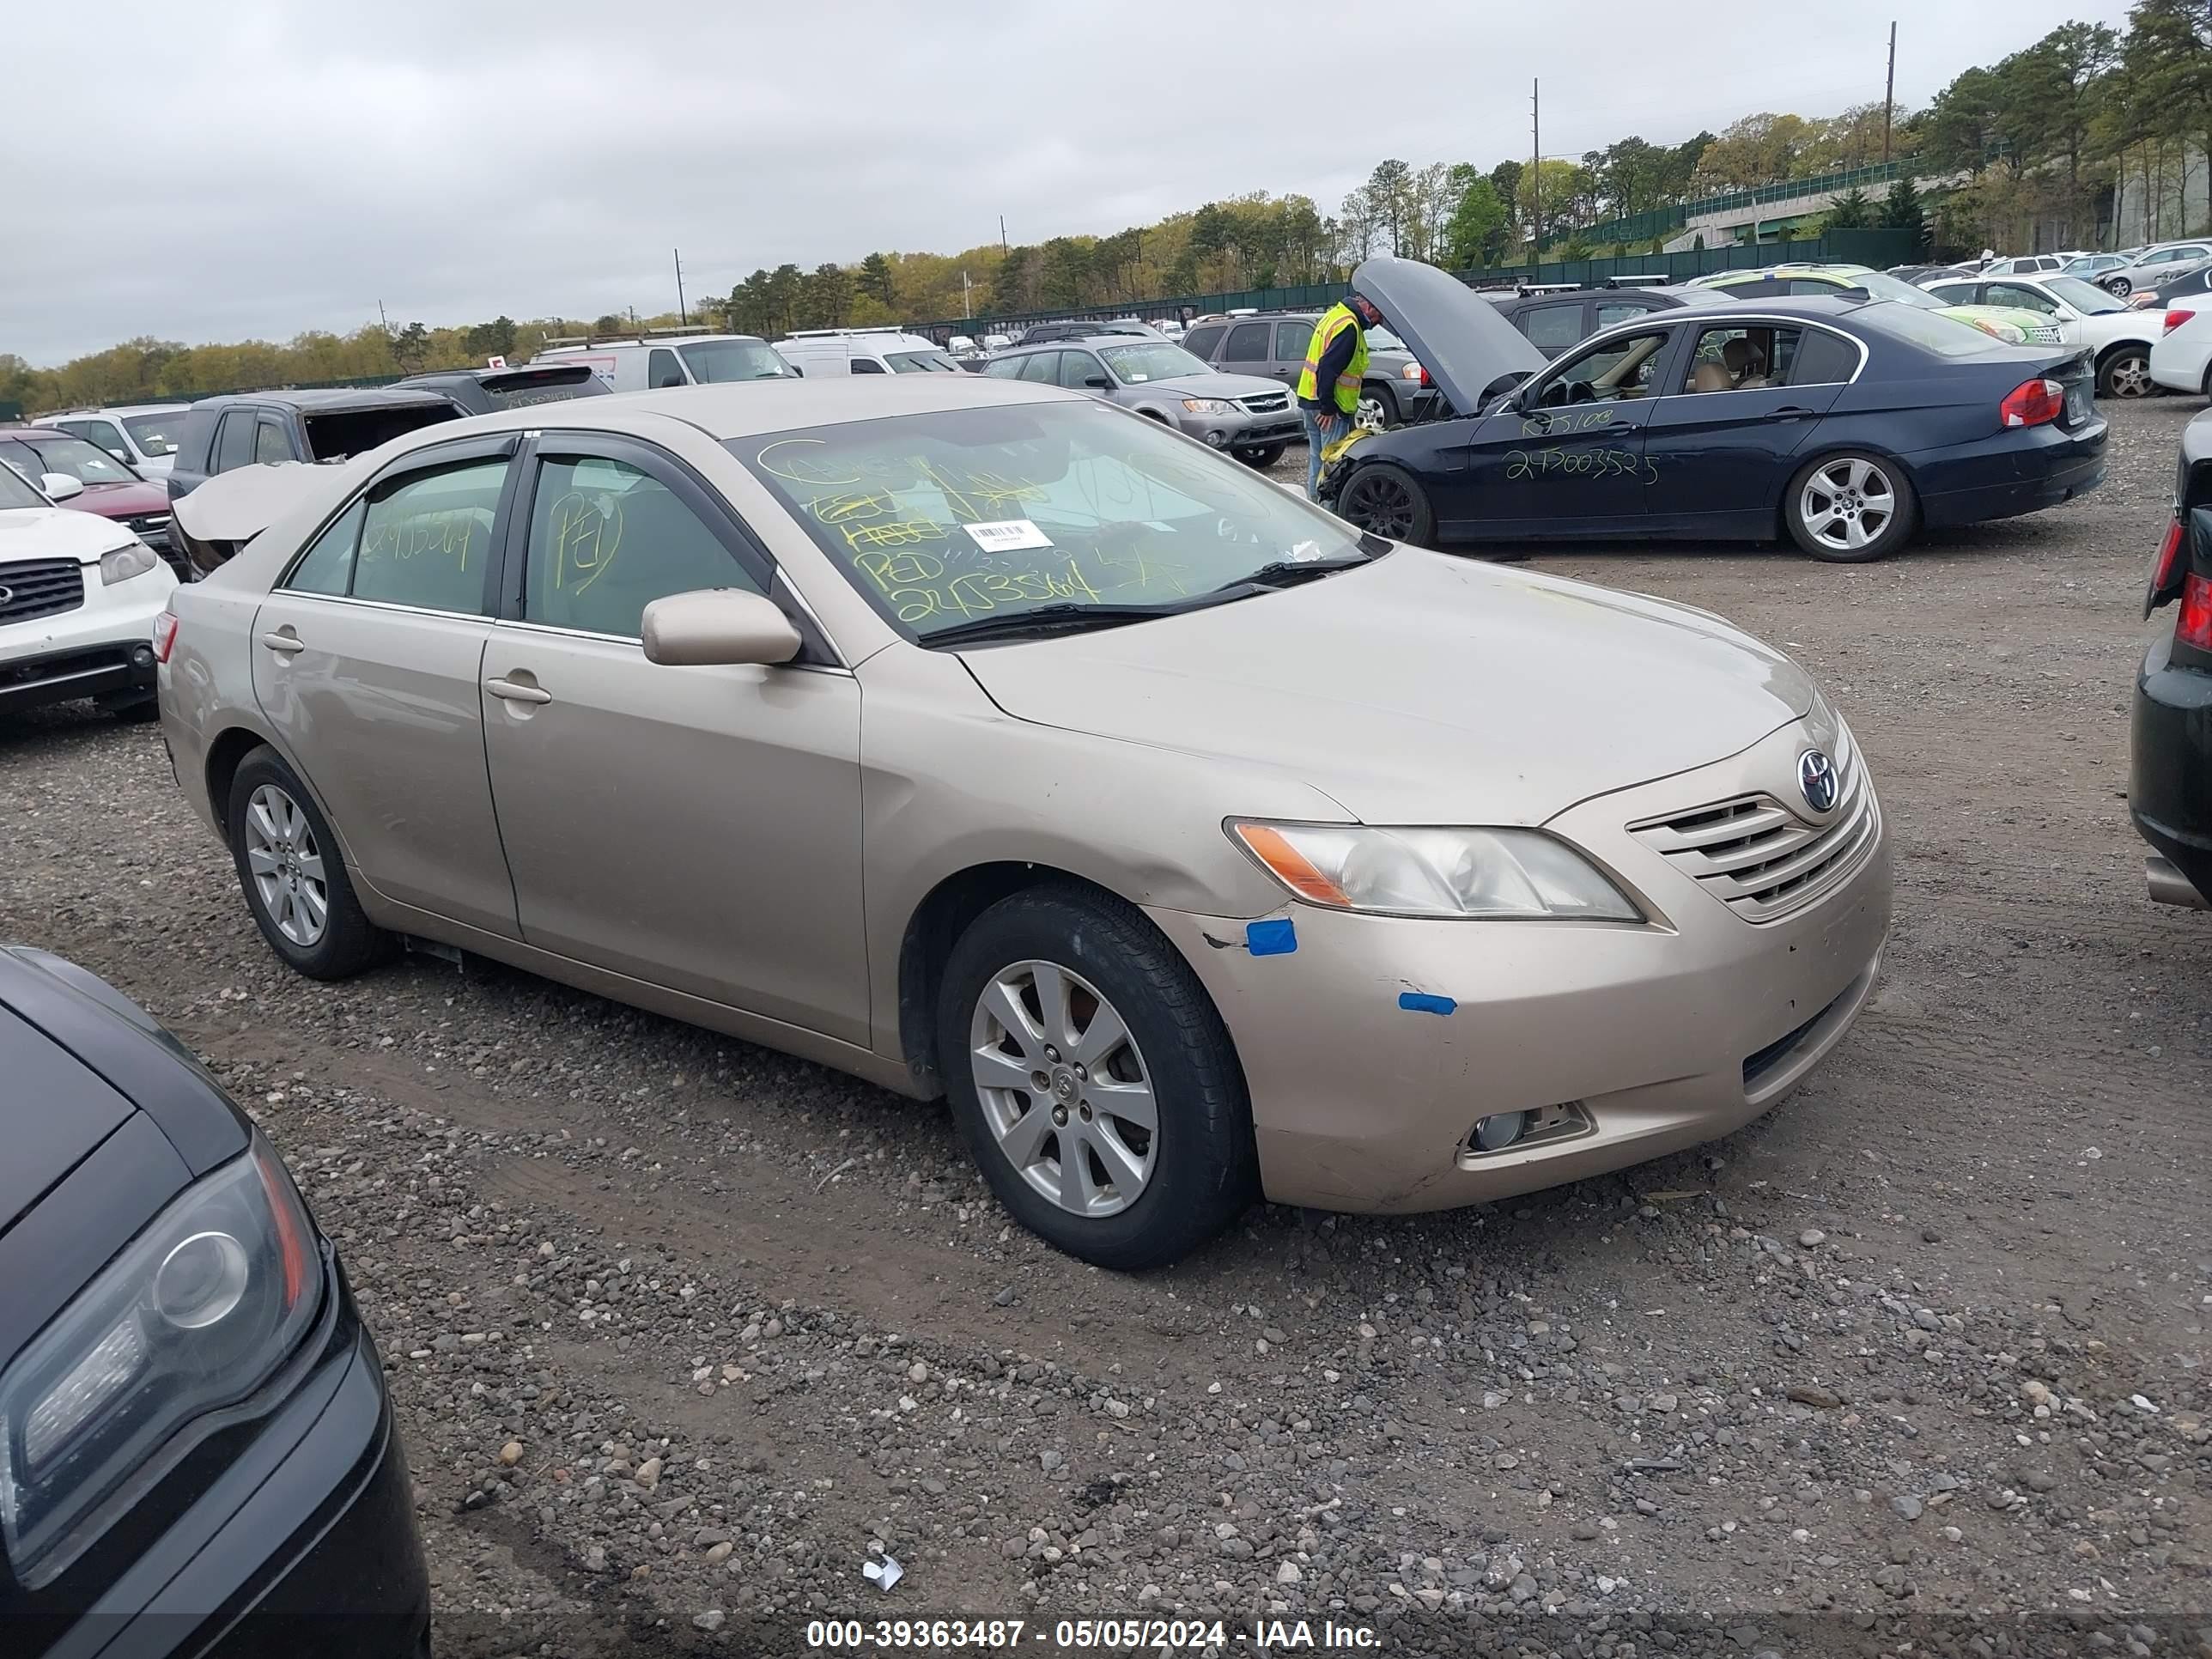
x: 2118, y: 287
x: 1378, y: 409
x: 1263, y: 458
x: 1131, y: 1037
x: 2126, y: 373
x: 293, y: 875
x: 1849, y: 507
x: 1385, y: 500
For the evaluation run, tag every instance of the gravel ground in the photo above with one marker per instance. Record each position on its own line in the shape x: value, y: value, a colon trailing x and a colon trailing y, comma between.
x: 679, y: 1331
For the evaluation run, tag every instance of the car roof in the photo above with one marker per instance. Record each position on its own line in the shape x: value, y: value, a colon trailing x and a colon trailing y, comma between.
x: 118, y: 409
x: 324, y: 399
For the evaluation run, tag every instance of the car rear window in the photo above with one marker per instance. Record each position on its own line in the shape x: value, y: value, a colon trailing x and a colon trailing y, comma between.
x: 519, y: 388
x: 334, y: 436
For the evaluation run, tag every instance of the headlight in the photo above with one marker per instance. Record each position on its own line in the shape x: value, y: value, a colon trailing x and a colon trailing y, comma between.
x: 2010, y: 333
x: 194, y: 1315
x: 124, y: 563
x: 1497, y: 873
x: 1209, y: 406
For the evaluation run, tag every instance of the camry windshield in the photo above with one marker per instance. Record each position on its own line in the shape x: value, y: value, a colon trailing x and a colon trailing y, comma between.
x: 943, y: 520
x: 1156, y: 362
x: 155, y: 434
x: 86, y: 463
x: 713, y: 361
x: 14, y: 490
x: 2085, y: 297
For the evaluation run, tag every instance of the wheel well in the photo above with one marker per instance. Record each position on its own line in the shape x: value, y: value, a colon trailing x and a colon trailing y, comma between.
x: 225, y: 755
x: 931, y: 932
x: 1153, y: 415
x: 2117, y: 346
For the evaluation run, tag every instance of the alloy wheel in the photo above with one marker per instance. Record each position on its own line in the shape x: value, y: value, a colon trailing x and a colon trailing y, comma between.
x: 1847, y: 504
x: 286, y: 864
x: 1379, y: 503
x: 1065, y: 1093
x: 1369, y: 416
x: 2128, y: 377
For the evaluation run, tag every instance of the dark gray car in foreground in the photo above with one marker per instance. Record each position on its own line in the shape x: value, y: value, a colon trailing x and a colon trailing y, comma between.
x: 197, y: 1453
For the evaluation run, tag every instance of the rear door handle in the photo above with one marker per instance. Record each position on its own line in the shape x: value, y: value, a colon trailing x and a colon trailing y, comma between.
x: 1792, y: 413
x: 283, y: 643
x: 514, y: 692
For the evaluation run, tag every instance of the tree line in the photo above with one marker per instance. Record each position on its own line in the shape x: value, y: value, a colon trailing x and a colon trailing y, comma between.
x: 2041, y: 136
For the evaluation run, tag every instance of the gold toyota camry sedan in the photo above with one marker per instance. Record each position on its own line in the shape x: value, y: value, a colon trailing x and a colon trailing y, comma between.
x: 987, y: 741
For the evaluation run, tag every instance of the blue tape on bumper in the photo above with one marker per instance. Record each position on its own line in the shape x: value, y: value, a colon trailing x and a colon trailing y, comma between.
x: 1278, y: 938
x: 1419, y: 1002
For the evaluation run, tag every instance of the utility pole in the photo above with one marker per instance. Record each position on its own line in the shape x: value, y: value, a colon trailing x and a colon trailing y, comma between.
x: 682, y: 315
x: 382, y: 321
x: 1889, y: 92
x: 967, y: 308
x: 1536, y: 170
x: 1002, y: 236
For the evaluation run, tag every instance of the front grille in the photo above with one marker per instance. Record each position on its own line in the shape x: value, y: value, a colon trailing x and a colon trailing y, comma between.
x: 151, y: 527
x: 1265, y: 403
x: 39, y: 587
x: 1766, y: 860
x: 2044, y: 334
x: 1757, y: 1066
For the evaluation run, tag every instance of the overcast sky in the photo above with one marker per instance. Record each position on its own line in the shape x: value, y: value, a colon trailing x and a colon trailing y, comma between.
x: 257, y: 167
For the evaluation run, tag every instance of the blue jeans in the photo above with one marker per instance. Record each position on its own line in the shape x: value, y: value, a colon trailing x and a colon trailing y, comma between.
x: 1321, y: 430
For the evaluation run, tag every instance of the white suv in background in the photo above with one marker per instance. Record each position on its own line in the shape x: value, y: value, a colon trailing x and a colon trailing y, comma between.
x: 79, y: 594
x: 143, y: 435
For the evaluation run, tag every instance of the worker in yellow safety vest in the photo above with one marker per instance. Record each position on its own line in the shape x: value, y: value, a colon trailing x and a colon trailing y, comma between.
x: 1328, y: 385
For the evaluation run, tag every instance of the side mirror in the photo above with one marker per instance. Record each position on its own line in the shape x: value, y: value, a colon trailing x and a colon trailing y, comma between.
x: 717, y: 626
x: 60, y: 486
x: 1097, y: 382
x: 797, y: 373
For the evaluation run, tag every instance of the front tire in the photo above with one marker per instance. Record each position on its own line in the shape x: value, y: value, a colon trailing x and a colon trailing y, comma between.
x: 2118, y: 287
x: 1851, y: 507
x: 1263, y: 458
x: 2126, y: 373
x: 293, y: 875
x: 1385, y: 500
x: 1093, y: 1081
x: 1378, y: 409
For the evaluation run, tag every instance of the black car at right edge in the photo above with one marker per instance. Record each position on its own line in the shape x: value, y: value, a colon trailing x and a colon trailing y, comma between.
x: 2169, y: 777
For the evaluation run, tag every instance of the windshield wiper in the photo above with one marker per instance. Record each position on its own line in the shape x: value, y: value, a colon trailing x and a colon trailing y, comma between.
x: 1059, y: 618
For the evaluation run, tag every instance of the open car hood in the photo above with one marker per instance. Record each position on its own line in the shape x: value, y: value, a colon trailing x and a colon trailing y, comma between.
x: 237, y: 506
x: 1463, y: 342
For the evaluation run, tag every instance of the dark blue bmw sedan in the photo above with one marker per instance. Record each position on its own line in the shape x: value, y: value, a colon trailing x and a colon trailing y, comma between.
x: 197, y: 1453
x: 1842, y: 423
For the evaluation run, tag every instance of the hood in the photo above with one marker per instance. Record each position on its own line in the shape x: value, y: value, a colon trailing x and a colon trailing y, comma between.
x: 56, y: 533
x: 1420, y: 690
x: 1209, y: 385
x: 121, y: 501
x: 239, y: 505
x: 1463, y: 342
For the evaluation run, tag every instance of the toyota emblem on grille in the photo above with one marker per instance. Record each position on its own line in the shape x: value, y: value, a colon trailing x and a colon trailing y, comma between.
x: 1816, y: 776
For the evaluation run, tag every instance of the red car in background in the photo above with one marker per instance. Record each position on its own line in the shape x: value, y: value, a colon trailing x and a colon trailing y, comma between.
x: 112, y: 489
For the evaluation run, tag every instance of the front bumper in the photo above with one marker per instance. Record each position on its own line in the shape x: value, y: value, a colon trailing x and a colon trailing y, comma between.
x: 2170, y: 772
x: 2012, y: 473
x: 103, y: 648
x: 1661, y: 1037
x: 307, y: 1543
x: 1242, y: 429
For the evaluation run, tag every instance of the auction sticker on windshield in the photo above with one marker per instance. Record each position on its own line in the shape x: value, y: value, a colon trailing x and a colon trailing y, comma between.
x: 1006, y: 535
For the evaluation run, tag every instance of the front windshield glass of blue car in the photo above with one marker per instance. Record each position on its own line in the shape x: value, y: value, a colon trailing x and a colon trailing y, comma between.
x: 1157, y: 360
x: 941, y: 518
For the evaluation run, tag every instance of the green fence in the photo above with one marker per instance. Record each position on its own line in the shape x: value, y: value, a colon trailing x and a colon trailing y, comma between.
x: 1877, y: 248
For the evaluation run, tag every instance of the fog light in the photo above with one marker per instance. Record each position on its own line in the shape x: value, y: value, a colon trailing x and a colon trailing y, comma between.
x: 1217, y: 439
x: 142, y: 656
x: 1496, y: 1132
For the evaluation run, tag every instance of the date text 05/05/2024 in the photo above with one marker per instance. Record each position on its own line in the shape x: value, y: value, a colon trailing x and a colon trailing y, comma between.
x: 1081, y: 1635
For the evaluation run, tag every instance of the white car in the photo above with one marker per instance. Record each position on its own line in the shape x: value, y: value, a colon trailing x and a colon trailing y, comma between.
x: 143, y: 435
x: 2182, y: 359
x: 78, y: 597
x: 2120, y: 335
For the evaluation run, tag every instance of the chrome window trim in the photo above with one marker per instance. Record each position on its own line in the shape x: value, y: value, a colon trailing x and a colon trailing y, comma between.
x: 1706, y: 319
x: 837, y: 668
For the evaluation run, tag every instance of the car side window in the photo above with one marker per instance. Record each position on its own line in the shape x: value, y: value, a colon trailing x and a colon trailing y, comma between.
x: 1823, y: 359
x: 2019, y: 294
x: 606, y: 539
x: 1620, y: 311
x: 1552, y: 329
x: 1042, y: 367
x: 235, y: 445
x: 1954, y: 293
x: 1077, y: 368
x: 1620, y: 369
x: 661, y: 370
x: 1291, y: 340
x: 1003, y: 368
x: 1736, y: 358
x: 865, y: 366
x: 1200, y: 341
x: 103, y: 434
x: 1248, y: 343
x: 426, y: 539
x: 327, y: 565
x: 271, y: 443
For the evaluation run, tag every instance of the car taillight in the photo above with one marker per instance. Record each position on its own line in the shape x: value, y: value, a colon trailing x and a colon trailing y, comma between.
x: 2032, y: 402
x: 165, y: 635
x: 2193, y: 626
x: 2175, y: 318
x: 2164, y: 565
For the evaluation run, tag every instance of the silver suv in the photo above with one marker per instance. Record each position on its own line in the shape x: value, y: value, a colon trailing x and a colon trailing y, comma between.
x: 1395, y: 392
x: 1254, y: 419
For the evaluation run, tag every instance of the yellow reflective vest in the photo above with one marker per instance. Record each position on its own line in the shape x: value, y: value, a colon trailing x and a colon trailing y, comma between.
x: 1334, y: 321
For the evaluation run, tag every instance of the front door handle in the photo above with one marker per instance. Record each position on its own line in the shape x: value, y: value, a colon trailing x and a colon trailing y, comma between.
x: 283, y: 642
x: 515, y: 692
